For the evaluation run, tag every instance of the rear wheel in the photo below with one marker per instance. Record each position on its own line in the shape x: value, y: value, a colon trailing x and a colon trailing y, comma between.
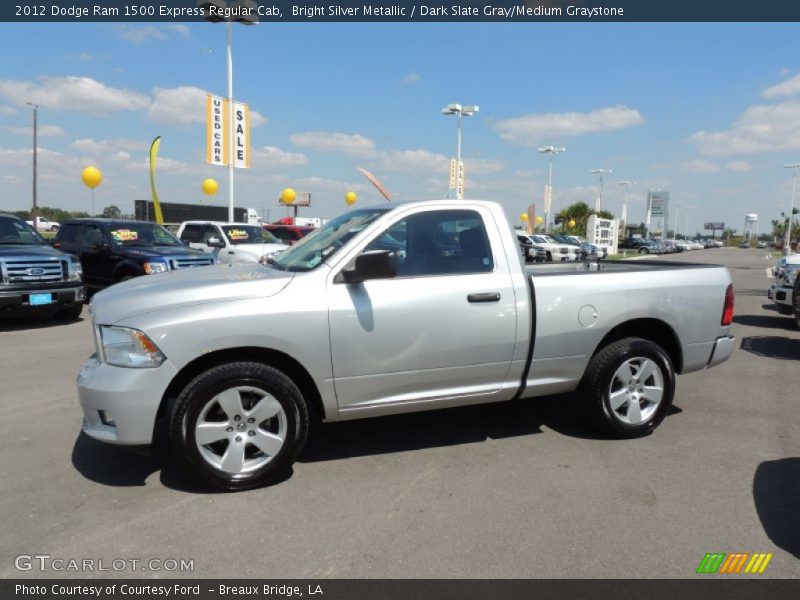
x: 240, y: 425
x: 785, y: 309
x: 628, y: 387
x: 644, y: 251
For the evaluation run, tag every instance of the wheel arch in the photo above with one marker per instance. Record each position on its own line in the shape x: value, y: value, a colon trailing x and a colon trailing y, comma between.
x: 274, y: 358
x: 654, y: 330
x: 126, y: 268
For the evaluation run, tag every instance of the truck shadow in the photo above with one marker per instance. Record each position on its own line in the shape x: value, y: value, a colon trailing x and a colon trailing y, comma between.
x: 776, y: 492
x: 766, y: 321
x: 770, y: 346
x: 449, y: 427
x: 12, y: 322
x: 119, y: 467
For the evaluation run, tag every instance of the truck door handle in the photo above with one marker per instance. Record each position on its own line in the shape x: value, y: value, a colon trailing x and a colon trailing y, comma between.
x: 484, y: 297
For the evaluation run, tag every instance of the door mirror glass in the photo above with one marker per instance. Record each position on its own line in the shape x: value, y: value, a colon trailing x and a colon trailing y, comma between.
x: 374, y: 264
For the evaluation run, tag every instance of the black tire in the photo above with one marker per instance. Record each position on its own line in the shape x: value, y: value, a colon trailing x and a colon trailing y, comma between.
x: 796, y: 301
x: 596, y: 386
x: 199, y: 392
x: 644, y: 251
x: 549, y: 256
x: 785, y: 309
x: 69, y: 314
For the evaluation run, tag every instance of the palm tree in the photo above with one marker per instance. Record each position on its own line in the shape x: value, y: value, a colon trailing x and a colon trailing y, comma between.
x: 578, y: 212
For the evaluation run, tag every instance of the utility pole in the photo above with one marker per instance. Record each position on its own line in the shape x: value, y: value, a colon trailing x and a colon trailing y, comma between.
x: 626, y: 184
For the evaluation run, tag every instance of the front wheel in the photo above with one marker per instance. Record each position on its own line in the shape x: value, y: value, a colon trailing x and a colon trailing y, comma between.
x: 239, y: 425
x: 644, y: 251
x: 785, y: 309
x: 628, y: 387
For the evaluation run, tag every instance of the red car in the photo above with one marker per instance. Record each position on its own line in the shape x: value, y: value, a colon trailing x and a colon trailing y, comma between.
x: 288, y: 234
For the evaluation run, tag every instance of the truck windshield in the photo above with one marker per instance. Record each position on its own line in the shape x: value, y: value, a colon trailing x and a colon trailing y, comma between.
x: 249, y: 234
x: 323, y: 243
x: 14, y: 231
x: 133, y: 233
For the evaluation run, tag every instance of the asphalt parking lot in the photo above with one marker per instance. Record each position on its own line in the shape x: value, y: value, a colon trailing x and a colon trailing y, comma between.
x: 505, y: 490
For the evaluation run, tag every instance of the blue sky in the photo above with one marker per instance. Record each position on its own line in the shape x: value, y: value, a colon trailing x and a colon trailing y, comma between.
x: 709, y: 112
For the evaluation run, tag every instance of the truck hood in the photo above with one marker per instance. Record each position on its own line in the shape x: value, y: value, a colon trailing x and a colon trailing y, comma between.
x: 257, y: 250
x: 30, y: 250
x: 198, y: 285
x: 166, y: 251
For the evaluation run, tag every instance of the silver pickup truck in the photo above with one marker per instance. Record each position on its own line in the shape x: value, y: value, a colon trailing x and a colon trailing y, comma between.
x: 383, y: 310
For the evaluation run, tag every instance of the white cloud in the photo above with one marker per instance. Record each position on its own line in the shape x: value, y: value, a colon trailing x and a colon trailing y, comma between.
x: 415, y: 161
x: 790, y: 87
x: 272, y: 156
x: 700, y: 166
x: 72, y: 93
x: 41, y: 130
x: 7, y: 111
x: 186, y: 104
x: 739, y: 166
x: 23, y: 156
x: 760, y: 128
x: 163, y: 165
x: 87, y: 57
x: 329, y: 141
x: 534, y: 128
x: 105, y: 147
x: 412, y: 78
x: 139, y: 34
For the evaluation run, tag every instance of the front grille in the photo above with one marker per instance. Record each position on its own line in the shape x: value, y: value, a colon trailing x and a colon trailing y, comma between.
x: 24, y: 270
x: 184, y: 263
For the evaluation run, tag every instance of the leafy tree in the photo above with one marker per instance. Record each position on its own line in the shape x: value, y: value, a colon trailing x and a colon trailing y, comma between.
x: 112, y: 212
x: 606, y: 214
x: 578, y: 212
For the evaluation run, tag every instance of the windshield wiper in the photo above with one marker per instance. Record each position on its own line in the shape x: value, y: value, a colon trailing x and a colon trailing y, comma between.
x: 273, y: 263
x: 21, y: 243
x: 165, y: 244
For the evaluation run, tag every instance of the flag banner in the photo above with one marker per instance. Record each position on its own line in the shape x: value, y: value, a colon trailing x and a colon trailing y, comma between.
x: 548, y: 198
x: 153, y: 157
x: 451, y: 185
x: 461, y: 182
x: 216, y: 140
x: 241, y: 135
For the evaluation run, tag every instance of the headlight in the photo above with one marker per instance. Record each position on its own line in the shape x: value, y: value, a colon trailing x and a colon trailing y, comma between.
x: 125, y: 347
x: 155, y: 266
x: 74, y: 270
x: 263, y: 260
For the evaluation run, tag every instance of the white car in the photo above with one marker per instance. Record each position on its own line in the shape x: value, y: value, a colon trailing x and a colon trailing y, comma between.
x: 555, y: 252
x: 233, y: 243
x: 784, y: 272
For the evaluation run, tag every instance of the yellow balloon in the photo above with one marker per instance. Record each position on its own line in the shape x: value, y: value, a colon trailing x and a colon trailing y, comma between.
x: 288, y: 195
x: 523, y: 217
x: 571, y: 223
x: 350, y: 198
x: 539, y: 220
x: 92, y: 177
x: 209, y: 186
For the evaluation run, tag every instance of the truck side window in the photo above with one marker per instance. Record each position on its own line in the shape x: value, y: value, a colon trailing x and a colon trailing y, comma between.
x: 192, y: 234
x: 68, y: 233
x: 446, y: 242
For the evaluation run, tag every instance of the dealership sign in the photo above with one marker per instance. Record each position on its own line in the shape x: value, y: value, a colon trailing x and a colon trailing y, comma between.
x: 658, y: 202
x: 714, y: 226
x: 218, y: 132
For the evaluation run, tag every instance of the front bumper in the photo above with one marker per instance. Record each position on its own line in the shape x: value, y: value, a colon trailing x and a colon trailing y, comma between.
x: 120, y: 404
x: 723, y: 348
x: 62, y: 297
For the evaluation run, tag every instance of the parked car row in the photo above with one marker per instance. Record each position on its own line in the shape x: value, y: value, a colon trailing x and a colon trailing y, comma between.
x: 668, y: 246
x: 557, y: 248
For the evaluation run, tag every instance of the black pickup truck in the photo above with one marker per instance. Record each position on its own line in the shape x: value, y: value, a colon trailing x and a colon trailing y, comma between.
x: 35, y: 276
x: 112, y: 250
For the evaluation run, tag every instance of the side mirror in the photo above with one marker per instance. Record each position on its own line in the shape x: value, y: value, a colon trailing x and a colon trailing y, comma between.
x: 186, y: 242
x: 376, y: 264
x: 215, y: 242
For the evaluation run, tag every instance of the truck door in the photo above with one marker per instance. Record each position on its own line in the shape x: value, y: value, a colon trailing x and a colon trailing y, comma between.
x: 443, y: 329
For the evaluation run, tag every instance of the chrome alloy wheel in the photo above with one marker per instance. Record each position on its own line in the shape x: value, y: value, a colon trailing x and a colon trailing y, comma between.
x: 240, y: 430
x: 636, y: 390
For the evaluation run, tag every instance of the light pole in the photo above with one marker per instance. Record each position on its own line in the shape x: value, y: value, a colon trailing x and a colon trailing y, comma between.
x: 675, y: 229
x: 598, y: 204
x: 215, y: 11
x: 626, y: 184
x: 787, y: 242
x: 548, y: 190
x: 460, y: 111
x: 35, y: 209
